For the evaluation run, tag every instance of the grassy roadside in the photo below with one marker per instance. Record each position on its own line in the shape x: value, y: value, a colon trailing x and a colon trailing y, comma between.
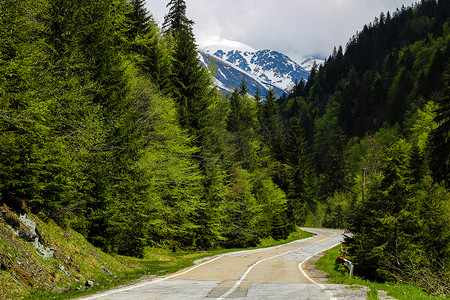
x: 339, y: 275
x: 156, y: 262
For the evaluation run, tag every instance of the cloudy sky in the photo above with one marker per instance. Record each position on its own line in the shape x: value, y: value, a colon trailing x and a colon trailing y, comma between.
x: 297, y: 28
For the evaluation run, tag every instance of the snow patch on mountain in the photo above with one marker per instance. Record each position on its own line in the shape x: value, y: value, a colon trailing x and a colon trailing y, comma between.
x: 263, y: 68
x: 307, y: 63
x: 217, y: 43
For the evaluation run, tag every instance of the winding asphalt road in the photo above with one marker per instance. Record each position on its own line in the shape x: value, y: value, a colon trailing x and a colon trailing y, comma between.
x: 271, y: 273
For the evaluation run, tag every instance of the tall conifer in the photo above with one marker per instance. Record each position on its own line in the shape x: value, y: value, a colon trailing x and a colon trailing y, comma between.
x: 190, y: 81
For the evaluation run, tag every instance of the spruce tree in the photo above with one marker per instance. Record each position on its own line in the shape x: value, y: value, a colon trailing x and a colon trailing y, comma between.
x: 201, y: 114
x: 301, y: 174
x: 191, y: 88
x: 139, y: 17
x: 271, y: 126
x: 440, y: 137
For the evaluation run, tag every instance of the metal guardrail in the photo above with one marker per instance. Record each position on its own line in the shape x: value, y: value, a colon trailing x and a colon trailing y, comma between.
x: 347, y: 263
x: 350, y: 266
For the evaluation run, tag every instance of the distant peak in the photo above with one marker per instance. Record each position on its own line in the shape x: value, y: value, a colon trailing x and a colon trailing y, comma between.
x: 218, y: 43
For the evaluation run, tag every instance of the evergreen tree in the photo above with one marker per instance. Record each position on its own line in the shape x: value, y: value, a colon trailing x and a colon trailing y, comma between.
x: 201, y: 113
x: 383, y: 225
x: 301, y: 174
x: 337, y: 171
x: 243, y: 88
x: 139, y: 17
x: 271, y: 126
x: 150, y: 48
x: 191, y: 82
x: 241, y: 123
x: 35, y: 170
x: 440, y: 137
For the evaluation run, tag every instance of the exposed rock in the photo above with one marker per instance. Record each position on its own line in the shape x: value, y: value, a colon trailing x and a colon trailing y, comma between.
x: 62, y: 269
x: 89, y: 283
x: 92, y: 252
x: 28, y: 231
x: 383, y: 295
x: 25, y: 228
x: 107, y: 271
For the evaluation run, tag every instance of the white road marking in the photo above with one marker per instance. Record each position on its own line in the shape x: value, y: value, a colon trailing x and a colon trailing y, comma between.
x: 124, y: 289
x: 323, y: 287
x: 236, y: 285
x: 139, y: 285
x: 135, y: 286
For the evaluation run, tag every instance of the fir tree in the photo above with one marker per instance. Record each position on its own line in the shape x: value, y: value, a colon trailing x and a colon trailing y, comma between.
x: 271, y: 126
x: 190, y: 81
x: 302, y: 186
x: 440, y: 137
x: 139, y: 17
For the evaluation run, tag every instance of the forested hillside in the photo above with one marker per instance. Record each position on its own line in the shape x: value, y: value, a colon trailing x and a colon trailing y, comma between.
x: 376, y: 115
x: 110, y: 126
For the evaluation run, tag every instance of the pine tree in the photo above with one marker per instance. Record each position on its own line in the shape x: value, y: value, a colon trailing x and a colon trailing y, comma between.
x: 440, y: 137
x: 271, y: 126
x: 190, y: 81
x: 139, y: 17
x: 34, y: 169
x: 337, y: 171
x: 301, y: 174
x: 241, y: 123
x: 150, y: 48
x: 383, y: 227
x: 201, y: 114
x: 243, y: 88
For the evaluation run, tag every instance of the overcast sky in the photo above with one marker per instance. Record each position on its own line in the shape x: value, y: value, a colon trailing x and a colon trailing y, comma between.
x: 297, y: 28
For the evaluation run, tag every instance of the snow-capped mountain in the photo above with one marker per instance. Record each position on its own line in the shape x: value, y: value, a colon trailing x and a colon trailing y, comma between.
x: 261, y: 69
x: 307, y: 63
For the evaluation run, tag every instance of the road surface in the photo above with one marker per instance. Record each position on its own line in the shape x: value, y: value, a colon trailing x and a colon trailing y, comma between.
x: 279, y: 272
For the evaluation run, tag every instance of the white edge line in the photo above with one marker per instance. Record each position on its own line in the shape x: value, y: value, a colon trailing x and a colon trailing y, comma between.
x: 323, y: 287
x: 139, y: 285
x: 149, y: 282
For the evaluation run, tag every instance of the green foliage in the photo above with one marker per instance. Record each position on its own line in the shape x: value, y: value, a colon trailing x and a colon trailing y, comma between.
x: 300, y: 177
x: 440, y: 137
x: 270, y: 124
x: 391, y: 235
x: 388, y: 92
x: 110, y: 125
x: 339, y: 275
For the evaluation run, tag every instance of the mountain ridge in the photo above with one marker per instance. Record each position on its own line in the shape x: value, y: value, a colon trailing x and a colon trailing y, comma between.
x: 261, y: 69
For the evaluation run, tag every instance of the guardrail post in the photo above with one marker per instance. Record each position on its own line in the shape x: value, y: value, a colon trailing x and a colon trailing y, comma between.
x: 350, y: 267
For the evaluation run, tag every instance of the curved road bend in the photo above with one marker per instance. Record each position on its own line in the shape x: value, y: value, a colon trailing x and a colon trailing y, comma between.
x: 270, y: 273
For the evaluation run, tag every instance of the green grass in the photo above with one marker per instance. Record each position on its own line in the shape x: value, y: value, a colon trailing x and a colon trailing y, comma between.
x: 156, y: 262
x: 339, y: 275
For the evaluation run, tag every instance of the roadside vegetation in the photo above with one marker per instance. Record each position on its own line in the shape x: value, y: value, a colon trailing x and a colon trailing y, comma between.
x: 25, y: 274
x: 339, y: 274
x: 111, y: 129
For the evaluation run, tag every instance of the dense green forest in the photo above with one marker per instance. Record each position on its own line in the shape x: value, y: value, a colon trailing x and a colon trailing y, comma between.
x: 109, y: 125
x: 377, y: 117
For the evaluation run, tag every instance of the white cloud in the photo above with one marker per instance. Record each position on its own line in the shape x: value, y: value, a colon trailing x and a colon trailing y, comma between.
x: 295, y: 27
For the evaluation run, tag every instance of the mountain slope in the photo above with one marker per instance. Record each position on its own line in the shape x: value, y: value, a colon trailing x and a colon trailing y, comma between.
x: 228, y: 76
x: 261, y: 69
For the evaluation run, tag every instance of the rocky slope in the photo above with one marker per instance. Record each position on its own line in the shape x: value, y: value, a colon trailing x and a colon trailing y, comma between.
x: 40, y: 257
